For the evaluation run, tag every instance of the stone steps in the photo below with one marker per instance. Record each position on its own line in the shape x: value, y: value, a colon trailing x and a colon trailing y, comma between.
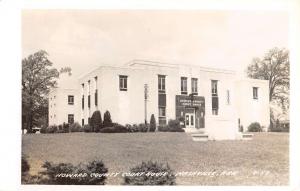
x: 199, y: 137
x: 247, y: 136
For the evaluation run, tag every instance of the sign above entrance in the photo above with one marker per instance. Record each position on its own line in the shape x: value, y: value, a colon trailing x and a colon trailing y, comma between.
x: 186, y: 101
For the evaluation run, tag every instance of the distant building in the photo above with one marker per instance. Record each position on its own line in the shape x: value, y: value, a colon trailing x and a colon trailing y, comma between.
x: 211, y: 100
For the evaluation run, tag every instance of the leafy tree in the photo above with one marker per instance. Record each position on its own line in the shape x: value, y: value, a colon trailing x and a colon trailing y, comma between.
x: 37, y: 79
x: 107, y: 122
x: 274, y: 67
x: 96, y: 121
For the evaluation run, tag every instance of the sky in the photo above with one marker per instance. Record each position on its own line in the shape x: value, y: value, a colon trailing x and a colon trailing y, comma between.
x: 86, y: 39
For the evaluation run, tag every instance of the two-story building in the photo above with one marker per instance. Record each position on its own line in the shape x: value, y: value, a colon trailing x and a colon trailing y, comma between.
x: 212, y: 100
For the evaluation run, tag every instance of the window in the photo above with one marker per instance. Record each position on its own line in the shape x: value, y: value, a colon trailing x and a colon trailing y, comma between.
x: 71, y: 100
x: 96, y: 91
x: 123, y: 83
x: 214, y: 111
x: 255, y: 92
x: 195, y: 86
x: 183, y: 85
x: 89, y: 101
x: 215, y: 105
x: 96, y: 97
x: 162, y: 115
x: 82, y: 122
x: 161, y: 84
x: 228, y: 97
x: 82, y: 102
x: 214, y: 97
x: 214, y: 87
x: 70, y: 118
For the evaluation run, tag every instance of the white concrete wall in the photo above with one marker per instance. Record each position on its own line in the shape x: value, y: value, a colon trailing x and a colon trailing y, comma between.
x: 59, y: 108
x: 253, y: 110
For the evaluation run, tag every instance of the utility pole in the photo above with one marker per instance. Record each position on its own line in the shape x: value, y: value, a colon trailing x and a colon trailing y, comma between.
x: 146, y: 98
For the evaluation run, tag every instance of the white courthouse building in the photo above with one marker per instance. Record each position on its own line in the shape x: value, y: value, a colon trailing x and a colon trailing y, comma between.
x: 211, y: 100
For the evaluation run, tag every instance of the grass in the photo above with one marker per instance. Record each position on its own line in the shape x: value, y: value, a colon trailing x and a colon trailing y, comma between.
x: 261, y: 161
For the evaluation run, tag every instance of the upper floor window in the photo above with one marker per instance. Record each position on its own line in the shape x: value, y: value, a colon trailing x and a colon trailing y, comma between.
x: 228, y: 97
x: 82, y: 102
x: 195, y: 86
x: 96, y: 80
x: 71, y: 100
x: 214, y: 87
x: 184, y: 85
x: 161, y: 84
x: 123, y: 83
x: 255, y: 92
x: 96, y: 97
x: 89, y: 86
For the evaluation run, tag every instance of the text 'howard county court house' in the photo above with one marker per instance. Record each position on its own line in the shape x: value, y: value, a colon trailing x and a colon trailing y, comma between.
x: 213, y: 100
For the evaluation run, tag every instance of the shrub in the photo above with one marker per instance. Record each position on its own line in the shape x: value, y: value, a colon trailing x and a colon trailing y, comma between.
x: 66, y: 128
x: 153, y: 174
x: 43, y: 130
x: 96, y: 121
x: 86, y: 174
x: 173, y: 126
x: 25, y: 166
x: 96, y: 167
x: 87, y: 128
x: 152, y: 123
x: 254, y: 127
x: 76, y: 127
x: 60, y: 127
x: 142, y: 127
x: 163, y: 128
x: 107, y: 122
x: 132, y: 128
x: 52, y: 129
x: 116, y: 128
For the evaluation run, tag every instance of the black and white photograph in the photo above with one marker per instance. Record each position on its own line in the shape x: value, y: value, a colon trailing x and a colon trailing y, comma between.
x: 155, y: 97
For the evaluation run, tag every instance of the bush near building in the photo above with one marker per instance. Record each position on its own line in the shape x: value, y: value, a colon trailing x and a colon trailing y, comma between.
x: 87, y: 128
x: 96, y: 121
x: 76, y: 127
x: 153, y: 174
x: 152, y: 123
x: 173, y: 126
x: 107, y: 122
x: 254, y: 127
x: 115, y: 128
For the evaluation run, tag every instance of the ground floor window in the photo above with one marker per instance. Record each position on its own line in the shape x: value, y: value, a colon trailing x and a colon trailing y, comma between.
x: 82, y: 122
x: 214, y: 111
x: 162, y: 115
x: 70, y: 118
x: 215, y: 105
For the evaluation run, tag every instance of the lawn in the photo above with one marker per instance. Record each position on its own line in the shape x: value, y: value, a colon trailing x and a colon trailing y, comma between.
x: 261, y: 161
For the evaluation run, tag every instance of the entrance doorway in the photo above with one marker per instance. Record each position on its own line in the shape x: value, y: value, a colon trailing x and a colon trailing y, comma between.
x: 190, y: 120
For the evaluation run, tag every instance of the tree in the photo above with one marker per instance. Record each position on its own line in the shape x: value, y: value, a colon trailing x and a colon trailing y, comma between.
x: 37, y: 79
x: 107, y: 122
x: 152, y: 123
x: 96, y: 121
x: 274, y: 67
